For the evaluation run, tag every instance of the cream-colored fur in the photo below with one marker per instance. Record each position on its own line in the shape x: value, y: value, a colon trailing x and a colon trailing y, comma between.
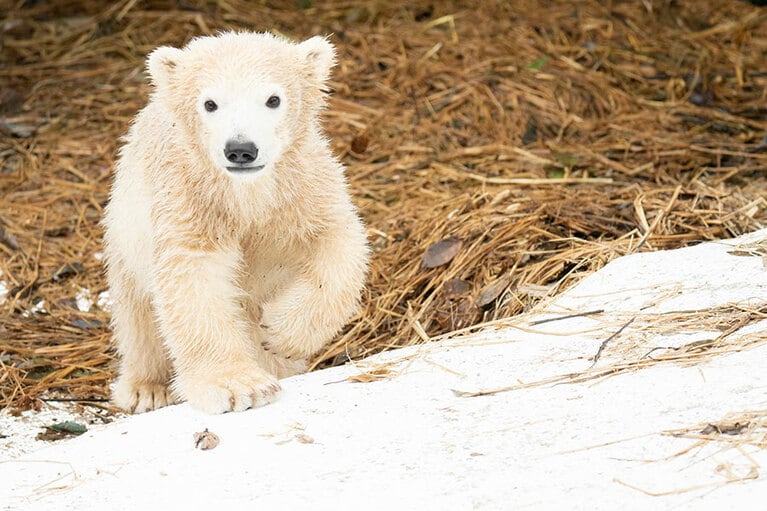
x: 225, y: 282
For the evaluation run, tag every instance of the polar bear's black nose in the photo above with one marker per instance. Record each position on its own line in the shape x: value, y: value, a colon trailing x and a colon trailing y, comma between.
x: 240, y: 152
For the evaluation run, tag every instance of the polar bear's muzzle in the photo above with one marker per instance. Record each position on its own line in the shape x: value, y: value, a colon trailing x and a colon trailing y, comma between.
x: 242, y: 156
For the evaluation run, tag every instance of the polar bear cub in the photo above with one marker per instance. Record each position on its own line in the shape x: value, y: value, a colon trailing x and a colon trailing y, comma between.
x: 233, y: 249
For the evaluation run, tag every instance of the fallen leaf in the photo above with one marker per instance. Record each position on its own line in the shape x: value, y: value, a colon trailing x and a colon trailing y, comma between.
x: 454, y: 315
x: 455, y: 287
x: 69, y: 427
x: 49, y: 435
x: 205, y: 440
x: 66, y: 271
x: 360, y: 143
x: 531, y: 132
x: 24, y: 290
x: 26, y: 402
x: 492, y: 291
x: 441, y: 252
x: 57, y: 232
x: 86, y: 324
x: 60, y: 431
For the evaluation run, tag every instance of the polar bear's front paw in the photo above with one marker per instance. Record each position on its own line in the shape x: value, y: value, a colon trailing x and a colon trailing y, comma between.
x: 234, y: 389
x: 135, y: 397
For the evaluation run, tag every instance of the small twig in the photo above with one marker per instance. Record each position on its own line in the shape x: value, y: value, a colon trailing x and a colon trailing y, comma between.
x: 416, y: 325
x: 658, y: 219
x: 752, y: 474
x: 74, y: 400
x: 706, y: 343
x: 569, y: 316
x: 556, y: 181
x: 604, y: 343
x: 657, y: 348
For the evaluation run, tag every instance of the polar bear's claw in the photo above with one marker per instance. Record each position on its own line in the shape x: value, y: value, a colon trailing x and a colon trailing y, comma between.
x: 141, y: 397
x: 234, y: 391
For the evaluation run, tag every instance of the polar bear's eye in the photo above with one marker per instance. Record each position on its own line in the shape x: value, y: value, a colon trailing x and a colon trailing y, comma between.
x: 211, y: 106
x: 273, y: 101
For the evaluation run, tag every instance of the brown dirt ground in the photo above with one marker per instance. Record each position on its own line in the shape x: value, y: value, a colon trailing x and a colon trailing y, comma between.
x: 549, y: 137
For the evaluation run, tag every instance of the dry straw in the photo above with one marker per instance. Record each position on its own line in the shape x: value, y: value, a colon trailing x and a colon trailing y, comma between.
x: 548, y: 140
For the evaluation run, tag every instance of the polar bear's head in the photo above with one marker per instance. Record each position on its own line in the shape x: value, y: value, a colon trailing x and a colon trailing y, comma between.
x: 245, y: 99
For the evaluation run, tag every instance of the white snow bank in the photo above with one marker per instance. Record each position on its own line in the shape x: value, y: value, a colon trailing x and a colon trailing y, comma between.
x: 409, y: 441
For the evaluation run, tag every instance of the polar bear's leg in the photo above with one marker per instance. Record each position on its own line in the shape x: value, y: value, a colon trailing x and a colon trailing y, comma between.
x: 301, y: 319
x: 203, y: 322
x: 145, y: 369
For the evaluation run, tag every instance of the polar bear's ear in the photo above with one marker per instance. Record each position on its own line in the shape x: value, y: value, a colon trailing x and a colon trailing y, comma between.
x: 320, y: 56
x: 161, y: 63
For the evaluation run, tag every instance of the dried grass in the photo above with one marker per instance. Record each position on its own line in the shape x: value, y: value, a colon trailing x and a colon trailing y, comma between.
x: 735, y: 429
x: 549, y: 139
x: 723, y: 331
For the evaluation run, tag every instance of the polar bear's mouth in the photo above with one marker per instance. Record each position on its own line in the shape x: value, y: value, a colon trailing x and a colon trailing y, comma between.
x: 245, y: 170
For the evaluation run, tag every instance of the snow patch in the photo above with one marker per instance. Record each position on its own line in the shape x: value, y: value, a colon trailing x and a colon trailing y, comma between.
x: 37, y: 308
x: 84, y: 300
x: 104, y: 301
